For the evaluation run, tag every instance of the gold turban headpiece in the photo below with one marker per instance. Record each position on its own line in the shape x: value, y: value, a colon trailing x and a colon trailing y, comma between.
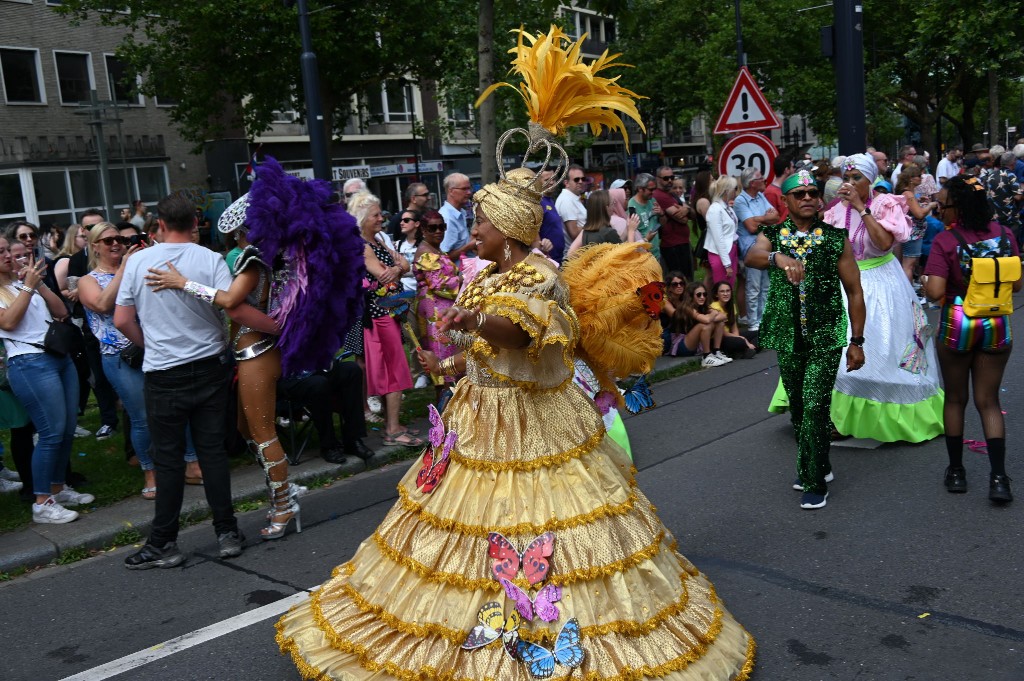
x: 512, y: 204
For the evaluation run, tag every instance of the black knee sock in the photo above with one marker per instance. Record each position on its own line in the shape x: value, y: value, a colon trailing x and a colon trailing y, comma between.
x: 955, y: 450
x: 997, y: 455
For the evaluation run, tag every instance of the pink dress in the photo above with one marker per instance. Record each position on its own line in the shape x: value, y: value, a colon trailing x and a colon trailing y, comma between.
x: 437, y: 285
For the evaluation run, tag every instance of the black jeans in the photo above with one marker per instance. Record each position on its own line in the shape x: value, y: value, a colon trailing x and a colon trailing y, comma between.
x: 678, y: 259
x: 106, y: 398
x: 193, y: 394
x: 339, y: 389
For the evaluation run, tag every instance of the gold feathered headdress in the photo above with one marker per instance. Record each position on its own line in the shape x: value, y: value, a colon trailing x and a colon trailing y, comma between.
x: 561, y: 91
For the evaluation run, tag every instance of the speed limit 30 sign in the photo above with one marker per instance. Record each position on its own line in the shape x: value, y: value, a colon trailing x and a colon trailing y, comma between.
x: 749, y: 149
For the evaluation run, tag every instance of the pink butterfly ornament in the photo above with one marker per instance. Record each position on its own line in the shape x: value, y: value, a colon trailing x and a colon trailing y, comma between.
x: 543, y: 604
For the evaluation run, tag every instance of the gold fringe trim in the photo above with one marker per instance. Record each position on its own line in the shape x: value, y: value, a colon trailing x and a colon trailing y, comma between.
x: 545, y: 636
x: 578, y: 575
x: 363, y: 657
x: 532, y: 529
x: 587, y: 446
x: 748, y: 664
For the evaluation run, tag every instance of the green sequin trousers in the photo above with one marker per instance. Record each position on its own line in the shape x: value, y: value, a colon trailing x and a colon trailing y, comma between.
x: 808, y: 378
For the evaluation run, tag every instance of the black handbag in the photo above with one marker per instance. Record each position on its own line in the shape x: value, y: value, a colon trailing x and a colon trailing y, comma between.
x: 132, y: 355
x: 63, y: 339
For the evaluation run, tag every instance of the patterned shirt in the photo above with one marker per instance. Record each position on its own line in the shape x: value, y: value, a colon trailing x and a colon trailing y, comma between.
x: 1003, y: 187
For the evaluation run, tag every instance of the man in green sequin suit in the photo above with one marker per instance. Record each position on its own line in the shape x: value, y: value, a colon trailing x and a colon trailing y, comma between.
x: 805, y: 322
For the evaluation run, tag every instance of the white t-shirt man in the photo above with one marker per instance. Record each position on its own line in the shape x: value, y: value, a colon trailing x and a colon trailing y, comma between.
x: 570, y: 207
x: 946, y: 169
x: 177, y: 327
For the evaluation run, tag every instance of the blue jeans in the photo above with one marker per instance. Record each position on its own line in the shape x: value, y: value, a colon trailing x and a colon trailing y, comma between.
x: 757, y: 294
x: 47, y: 387
x: 128, y: 384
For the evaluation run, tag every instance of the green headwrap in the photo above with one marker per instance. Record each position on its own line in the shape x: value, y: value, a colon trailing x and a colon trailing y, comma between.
x: 798, y: 179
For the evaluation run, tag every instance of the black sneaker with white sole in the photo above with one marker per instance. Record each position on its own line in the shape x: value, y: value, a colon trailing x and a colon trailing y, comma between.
x: 149, y: 557
x: 812, y: 500
x: 798, y: 486
x: 230, y: 544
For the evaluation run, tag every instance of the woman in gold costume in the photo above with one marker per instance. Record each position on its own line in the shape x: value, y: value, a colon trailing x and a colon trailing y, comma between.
x: 520, y: 546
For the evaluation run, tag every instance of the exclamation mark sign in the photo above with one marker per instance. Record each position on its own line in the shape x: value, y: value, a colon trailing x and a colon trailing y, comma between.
x: 745, y: 105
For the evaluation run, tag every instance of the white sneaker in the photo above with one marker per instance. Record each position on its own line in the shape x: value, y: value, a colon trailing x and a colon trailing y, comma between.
x: 421, y: 381
x: 725, y: 358
x: 8, y: 474
x: 51, y: 512
x: 375, y: 405
x: 754, y: 327
x: 69, y: 497
x: 712, y: 361
x: 742, y: 321
x: 82, y: 432
x: 10, y: 486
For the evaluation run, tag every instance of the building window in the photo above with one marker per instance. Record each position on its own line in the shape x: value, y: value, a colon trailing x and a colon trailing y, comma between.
x: 74, y: 76
x: 22, y: 76
x: 392, y: 104
x: 459, y: 113
x: 122, y: 82
x: 12, y: 203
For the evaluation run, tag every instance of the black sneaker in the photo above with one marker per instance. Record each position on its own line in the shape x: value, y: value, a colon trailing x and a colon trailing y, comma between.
x: 799, y: 486
x: 230, y: 544
x: 812, y: 500
x: 150, y: 556
x: 956, y: 479
x: 999, y: 489
x: 105, y: 432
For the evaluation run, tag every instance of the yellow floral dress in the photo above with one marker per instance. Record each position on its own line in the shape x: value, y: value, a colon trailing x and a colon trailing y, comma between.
x: 530, y: 457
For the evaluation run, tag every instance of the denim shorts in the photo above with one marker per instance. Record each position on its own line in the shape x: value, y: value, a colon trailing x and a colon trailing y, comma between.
x: 912, y: 248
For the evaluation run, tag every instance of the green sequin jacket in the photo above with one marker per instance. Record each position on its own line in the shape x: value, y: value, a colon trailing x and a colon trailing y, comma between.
x: 811, y: 316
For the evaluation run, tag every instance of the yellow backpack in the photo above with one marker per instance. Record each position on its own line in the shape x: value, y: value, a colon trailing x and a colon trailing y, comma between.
x: 990, y: 279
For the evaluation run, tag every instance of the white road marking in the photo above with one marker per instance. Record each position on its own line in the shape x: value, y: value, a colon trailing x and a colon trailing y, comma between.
x: 189, y: 640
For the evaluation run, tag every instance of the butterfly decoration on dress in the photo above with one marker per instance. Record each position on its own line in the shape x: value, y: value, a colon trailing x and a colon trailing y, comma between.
x: 533, y: 560
x: 652, y: 297
x: 914, y: 358
x: 543, y: 604
x: 494, y: 625
x: 435, y: 464
x: 398, y: 303
x: 567, y: 651
x: 638, y: 396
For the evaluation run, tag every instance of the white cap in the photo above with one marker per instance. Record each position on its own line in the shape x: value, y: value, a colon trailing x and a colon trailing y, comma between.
x: 618, y: 184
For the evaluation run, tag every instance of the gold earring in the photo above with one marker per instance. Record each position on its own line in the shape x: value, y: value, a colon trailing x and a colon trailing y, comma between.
x: 508, y: 250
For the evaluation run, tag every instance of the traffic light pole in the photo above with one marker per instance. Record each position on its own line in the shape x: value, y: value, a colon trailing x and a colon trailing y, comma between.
x: 849, y: 64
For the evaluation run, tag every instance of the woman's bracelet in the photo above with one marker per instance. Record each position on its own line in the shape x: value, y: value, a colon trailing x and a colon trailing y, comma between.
x: 203, y: 293
x: 447, y: 366
x: 24, y: 287
x: 481, y: 319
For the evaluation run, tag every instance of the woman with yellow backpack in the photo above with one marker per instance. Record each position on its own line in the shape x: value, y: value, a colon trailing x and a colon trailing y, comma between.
x: 973, y: 269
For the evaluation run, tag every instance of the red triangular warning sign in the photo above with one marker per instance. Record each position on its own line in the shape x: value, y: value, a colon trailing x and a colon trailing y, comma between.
x: 746, y: 108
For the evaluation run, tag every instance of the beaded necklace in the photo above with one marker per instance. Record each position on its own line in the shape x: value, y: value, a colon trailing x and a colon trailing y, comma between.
x: 484, y: 285
x: 800, y: 246
x: 859, y: 235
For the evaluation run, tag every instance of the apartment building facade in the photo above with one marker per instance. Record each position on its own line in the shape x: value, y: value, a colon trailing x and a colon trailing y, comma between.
x: 51, y: 74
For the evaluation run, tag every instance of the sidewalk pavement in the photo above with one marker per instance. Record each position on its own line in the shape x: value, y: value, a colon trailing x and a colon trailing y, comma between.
x: 38, y: 545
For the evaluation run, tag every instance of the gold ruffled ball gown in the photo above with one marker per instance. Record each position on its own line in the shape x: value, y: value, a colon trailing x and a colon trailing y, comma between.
x: 531, y: 457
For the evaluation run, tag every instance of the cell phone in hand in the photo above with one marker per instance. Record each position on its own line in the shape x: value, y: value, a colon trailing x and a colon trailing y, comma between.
x: 631, y: 210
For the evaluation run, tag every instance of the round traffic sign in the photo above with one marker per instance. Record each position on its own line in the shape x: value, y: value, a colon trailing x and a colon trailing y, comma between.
x: 748, y: 150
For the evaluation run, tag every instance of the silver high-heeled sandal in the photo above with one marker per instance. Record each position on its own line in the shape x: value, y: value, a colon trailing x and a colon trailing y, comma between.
x: 282, y: 502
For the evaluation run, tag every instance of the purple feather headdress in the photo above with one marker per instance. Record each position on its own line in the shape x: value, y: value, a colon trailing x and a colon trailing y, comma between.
x: 296, y: 225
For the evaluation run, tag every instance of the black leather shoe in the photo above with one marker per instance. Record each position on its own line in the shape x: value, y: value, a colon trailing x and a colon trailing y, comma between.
x: 999, y: 489
x: 361, y: 450
x: 334, y: 456
x: 956, y: 479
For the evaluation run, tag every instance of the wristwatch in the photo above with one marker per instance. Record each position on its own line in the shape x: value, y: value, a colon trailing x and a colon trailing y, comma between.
x: 771, y: 258
x: 858, y: 341
x: 866, y: 211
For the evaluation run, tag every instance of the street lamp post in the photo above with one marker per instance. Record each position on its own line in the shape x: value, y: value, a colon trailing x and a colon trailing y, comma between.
x: 849, y: 50
x: 311, y: 85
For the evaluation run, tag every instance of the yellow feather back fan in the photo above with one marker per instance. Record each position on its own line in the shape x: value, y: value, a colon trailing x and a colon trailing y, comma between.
x: 617, y: 336
x: 561, y: 91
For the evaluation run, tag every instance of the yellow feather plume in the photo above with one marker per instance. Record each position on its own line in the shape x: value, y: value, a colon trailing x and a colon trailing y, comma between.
x: 561, y: 91
x: 617, y: 337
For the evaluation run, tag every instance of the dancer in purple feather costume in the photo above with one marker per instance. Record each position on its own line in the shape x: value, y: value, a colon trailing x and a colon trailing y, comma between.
x: 303, y: 269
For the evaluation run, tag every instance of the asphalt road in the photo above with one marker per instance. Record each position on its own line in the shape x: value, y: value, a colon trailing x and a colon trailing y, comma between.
x: 894, y: 579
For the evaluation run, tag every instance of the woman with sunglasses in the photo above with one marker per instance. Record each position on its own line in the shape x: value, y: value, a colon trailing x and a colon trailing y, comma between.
x: 896, y: 396
x: 108, y: 254
x: 408, y: 242
x: 697, y: 328
x: 438, y: 284
x: 973, y: 351
x: 734, y: 343
x: 46, y: 385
